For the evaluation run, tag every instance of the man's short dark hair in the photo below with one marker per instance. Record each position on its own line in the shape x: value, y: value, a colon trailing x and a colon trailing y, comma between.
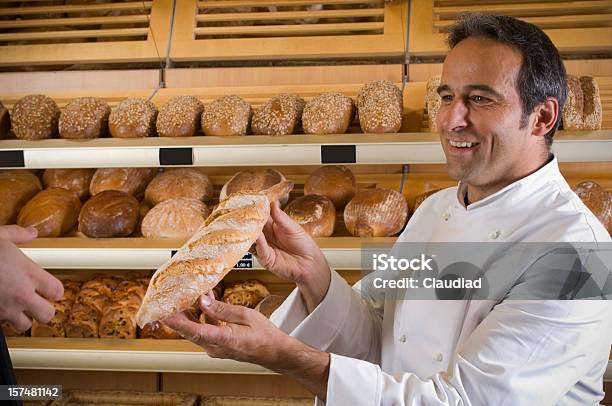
x: 542, y: 73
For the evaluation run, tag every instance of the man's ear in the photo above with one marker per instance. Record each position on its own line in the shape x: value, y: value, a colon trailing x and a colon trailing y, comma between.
x: 546, y: 114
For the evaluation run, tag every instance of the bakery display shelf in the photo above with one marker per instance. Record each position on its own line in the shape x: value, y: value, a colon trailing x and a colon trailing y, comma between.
x: 139, y: 355
x: 150, y: 253
x: 401, y: 148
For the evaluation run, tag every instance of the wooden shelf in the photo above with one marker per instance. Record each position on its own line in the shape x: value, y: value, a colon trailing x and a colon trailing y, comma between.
x: 150, y: 253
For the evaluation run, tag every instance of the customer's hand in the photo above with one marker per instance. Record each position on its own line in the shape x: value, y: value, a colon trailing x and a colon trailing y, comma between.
x: 286, y: 250
x: 24, y: 286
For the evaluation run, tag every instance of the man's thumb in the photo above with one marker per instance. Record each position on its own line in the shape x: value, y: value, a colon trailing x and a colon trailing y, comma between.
x: 17, y: 234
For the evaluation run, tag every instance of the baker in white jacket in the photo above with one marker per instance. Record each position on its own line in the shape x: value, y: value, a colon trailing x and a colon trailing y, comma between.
x: 502, y: 89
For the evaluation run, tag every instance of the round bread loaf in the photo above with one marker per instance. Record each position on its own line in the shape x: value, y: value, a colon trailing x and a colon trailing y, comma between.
x: 84, y: 117
x: 281, y: 115
x: 5, y: 122
x: 174, y: 218
x: 53, y: 212
x: 76, y: 180
x: 269, y: 304
x: 133, y: 118
x: 253, y: 181
x: 248, y: 293
x: 380, y: 107
x: 35, y: 117
x: 228, y: 115
x: 316, y: 214
x: 421, y: 198
x: 16, y: 188
x: 328, y: 113
x: 179, y: 182
x: 180, y: 117
x: 127, y: 180
x: 376, y: 212
x: 598, y: 200
x: 336, y: 182
x: 109, y: 214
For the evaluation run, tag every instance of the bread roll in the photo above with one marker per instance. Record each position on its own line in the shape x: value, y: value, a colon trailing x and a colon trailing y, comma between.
x: 336, y: 182
x: 127, y: 180
x: 76, y: 180
x: 316, y: 214
x: 174, y: 218
x: 9, y: 330
x: 269, y: 304
x: 109, y: 214
x: 376, y: 213
x: 180, y: 117
x: 16, y: 188
x: 84, y: 117
x: 210, y: 254
x: 55, y: 327
x: 5, y: 122
x: 158, y: 331
x: 598, y: 200
x: 421, y: 198
x: 328, y: 113
x: 133, y: 118
x: 179, y: 182
x: 582, y: 110
x: 281, y: 115
x: 118, y: 321
x: 248, y: 293
x: 432, y: 101
x: 53, y: 212
x: 253, y: 181
x: 228, y: 115
x: 83, y: 322
x: 35, y: 117
x: 380, y: 107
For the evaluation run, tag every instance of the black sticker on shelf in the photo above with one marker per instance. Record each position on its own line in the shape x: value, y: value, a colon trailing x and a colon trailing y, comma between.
x: 172, y: 252
x: 246, y: 262
x: 12, y: 159
x: 176, y: 156
x: 338, y: 154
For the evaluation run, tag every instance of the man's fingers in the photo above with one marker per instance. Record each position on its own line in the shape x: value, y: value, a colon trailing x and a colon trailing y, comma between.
x: 202, y: 334
x: 46, y: 284
x: 39, y: 308
x: 263, y: 252
x: 282, y: 220
x: 17, y: 234
x: 20, y: 322
x: 224, y: 311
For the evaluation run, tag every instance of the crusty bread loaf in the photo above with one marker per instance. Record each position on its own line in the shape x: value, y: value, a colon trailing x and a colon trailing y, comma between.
x: 253, y: 181
x: 421, y: 198
x: 16, y: 188
x: 180, y: 117
x: 109, y: 214
x: 56, y: 326
x: 432, y: 101
x: 35, y: 117
x: 179, y: 182
x: 598, y: 200
x: 245, y: 293
x: 90, y: 304
x: 5, y: 122
x: 133, y: 118
x: 119, y: 319
x: 228, y: 115
x: 336, y: 182
x: 376, y: 212
x: 269, y: 304
x: 380, y: 107
x: 53, y: 212
x: 316, y: 214
x: 210, y: 254
x: 127, y: 180
x: 158, y: 331
x: 582, y: 110
x: 328, y: 113
x: 281, y: 115
x: 76, y: 180
x: 174, y: 218
x: 84, y: 117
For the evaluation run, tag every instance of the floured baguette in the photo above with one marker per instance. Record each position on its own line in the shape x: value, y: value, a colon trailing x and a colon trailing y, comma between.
x: 209, y: 254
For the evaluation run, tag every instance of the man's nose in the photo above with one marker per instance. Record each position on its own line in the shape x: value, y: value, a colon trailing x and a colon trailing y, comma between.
x: 455, y: 116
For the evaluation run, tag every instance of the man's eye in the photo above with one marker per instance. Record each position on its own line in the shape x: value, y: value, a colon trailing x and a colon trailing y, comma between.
x: 447, y: 98
x: 479, y: 99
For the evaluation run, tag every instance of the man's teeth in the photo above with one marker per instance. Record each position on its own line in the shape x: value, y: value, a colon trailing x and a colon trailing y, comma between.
x: 463, y: 144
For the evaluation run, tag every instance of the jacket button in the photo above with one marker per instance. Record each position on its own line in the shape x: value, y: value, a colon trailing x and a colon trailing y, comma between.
x: 495, y: 235
x: 402, y: 338
x: 439, y: 357
x: 446, y: 216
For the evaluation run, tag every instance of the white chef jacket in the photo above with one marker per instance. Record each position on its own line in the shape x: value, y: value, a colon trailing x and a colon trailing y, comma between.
x: 513, y: 352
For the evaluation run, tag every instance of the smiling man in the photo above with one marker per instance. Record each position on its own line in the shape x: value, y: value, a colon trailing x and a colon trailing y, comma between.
x: 502, y: 89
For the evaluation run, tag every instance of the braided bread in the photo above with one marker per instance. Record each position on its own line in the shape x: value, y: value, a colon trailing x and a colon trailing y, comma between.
x: 210, y: 254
